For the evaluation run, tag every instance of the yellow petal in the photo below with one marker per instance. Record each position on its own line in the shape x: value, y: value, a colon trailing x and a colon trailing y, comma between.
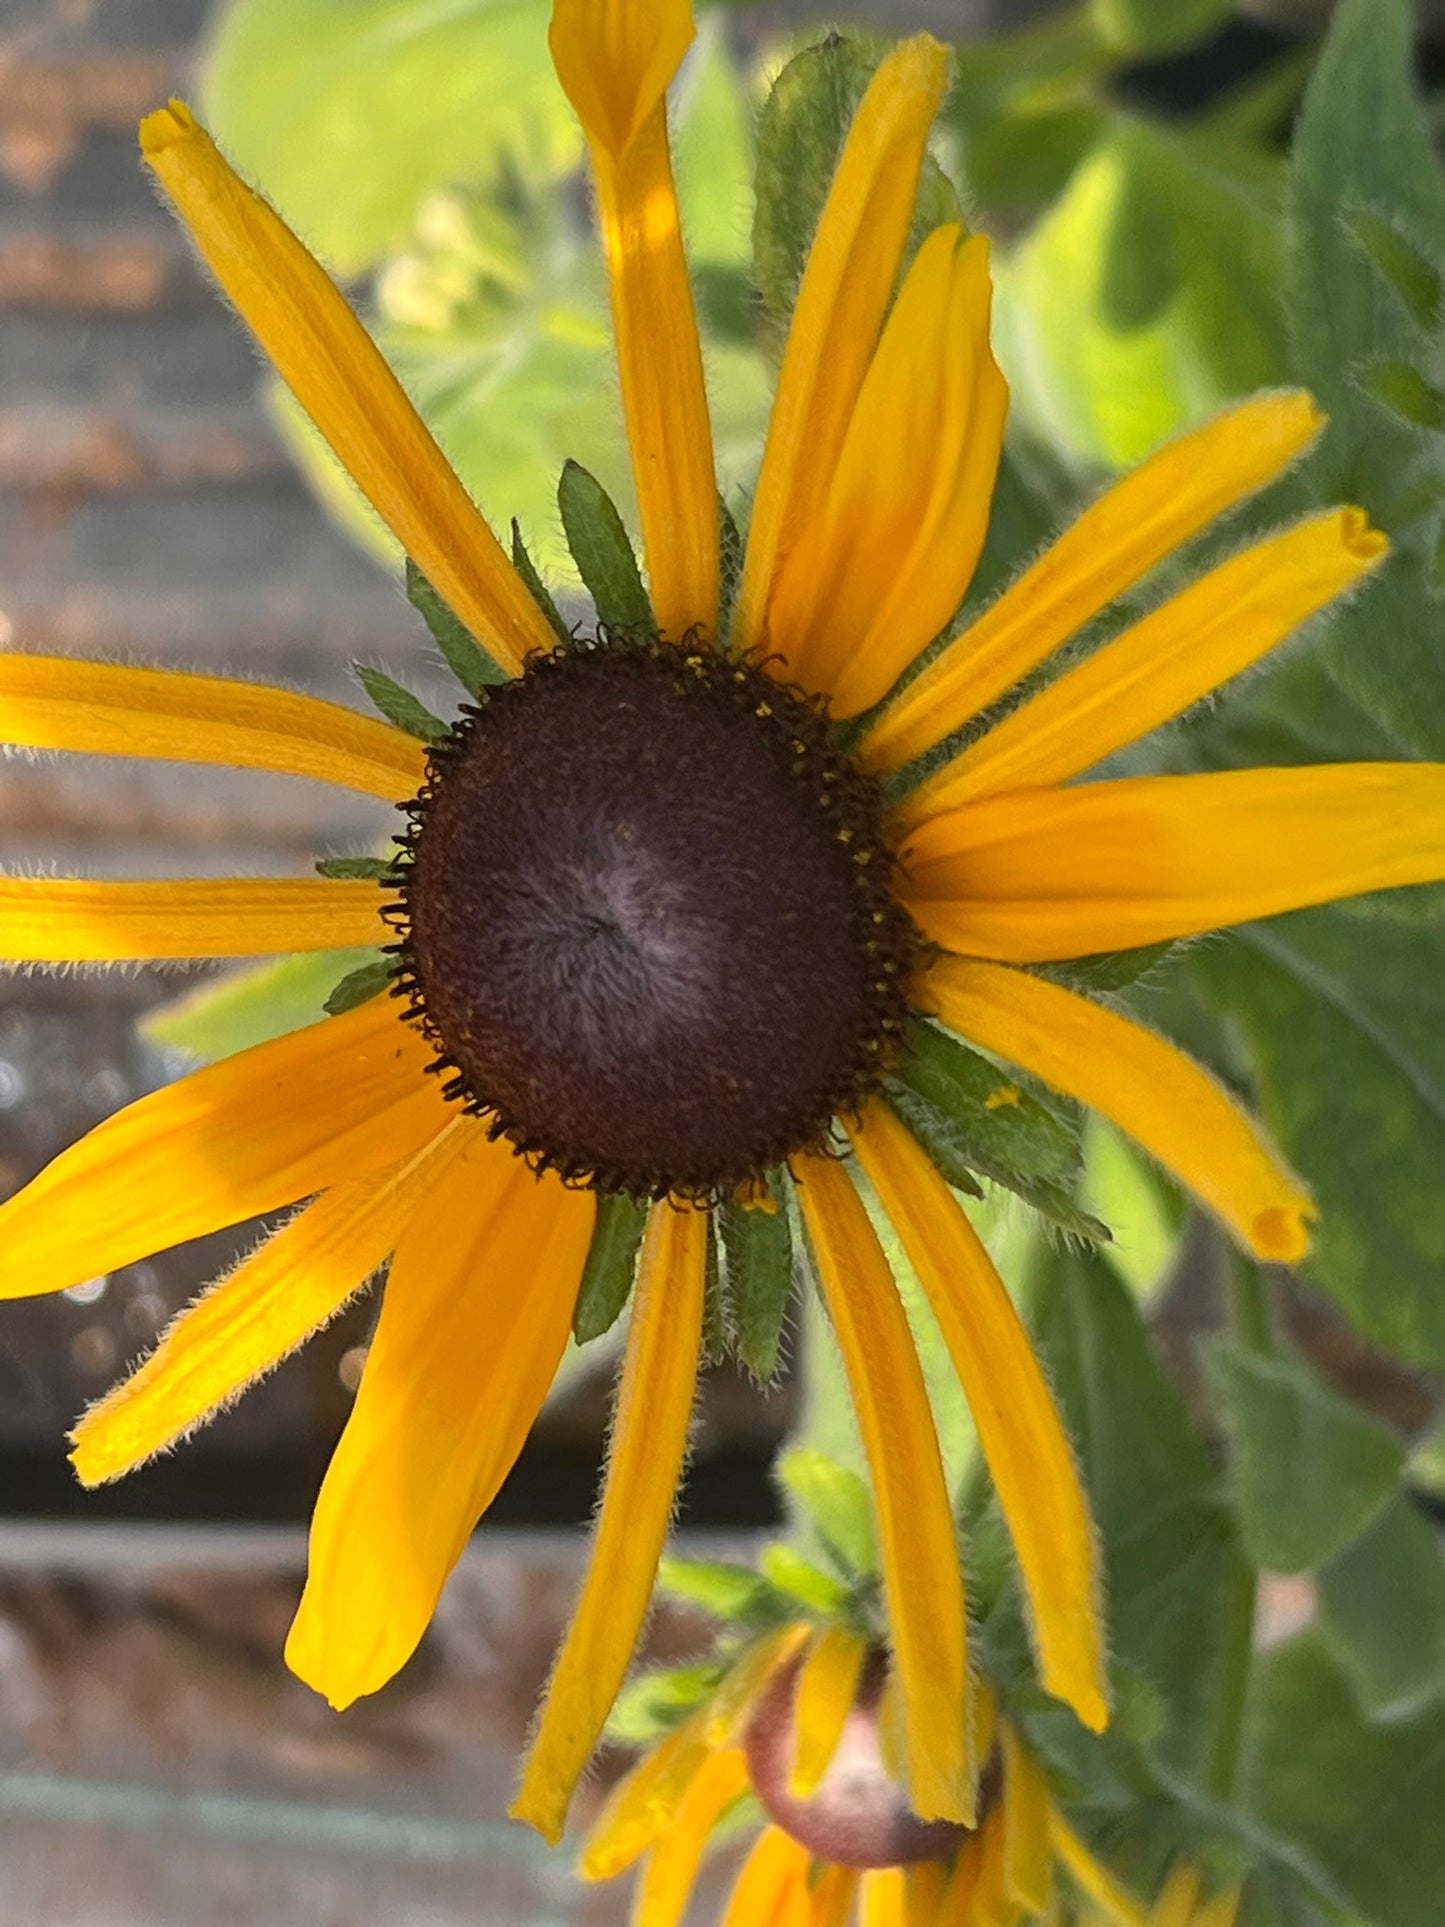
x: 1092, y: 1877
x: 77, y: 920
x: 644, y: 1463
x: 474, y: 1319
x: 1198, y: 640
x: 925, y: 1884
x: 249, y: 1134
x: 1052, y: 873
x: 642, y: 1804
x: 1151, y: 1090
x: 1166, y: 500
x: 1220, y: 1910
x: 842, y: 299
x: 107, y: 709
x: 1018, y: 1423
x: 993, y: 1906
x: 666, y: 1883
x: 1175, y: 1904
x: 827, y: 1684
x: 615, y: 59
x: 882, y: 1899
x: 830, y: 1896
x: 334, y: 369
x: 246, y: 1322
x: 733, y: 1701
x: 956, y: 1909
x: 772, y: 1889
x: 881, y: 569
x: 922, y: 1587
x: 1028, y: 1852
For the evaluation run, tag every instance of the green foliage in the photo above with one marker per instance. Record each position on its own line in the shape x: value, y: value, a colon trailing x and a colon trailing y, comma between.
x: 652, y: 1705
x: 602, y: 551
x: 726, y: 1592
x: 399, y: 705
x: 363, y: 868
x: 836, y: 1502
x: 536, y: 587
x: 972, y: 1119
x: 251, y: 1006
x: 611, y: 1265
x: 801, y: 1582
x: 359, y: 986
x: 347, y: 116
x: 1382, y: 1612
x: 468, y: 661
x: 1146, y: 29
x: 757, y: 1250
x: 1309, y: 1470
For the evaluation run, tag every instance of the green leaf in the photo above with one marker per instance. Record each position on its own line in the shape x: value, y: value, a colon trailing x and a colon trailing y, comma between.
x: 1147, y: 29
x: 1400, y: 387
x: 758, y: 1276
x: 398, y: 705
x: 725, y: 1591
x: 970, y: 1117
x: 1395, y: 258
x: 1171, y: 253
x: 251, y: 1006
x: 1382, y: 1612
x: 1362, y: 1802
x: 791, y: 1573
x: 602, y: 551
x: 611, y: 1265
x: 836, y: 1501
x: 650, y: 1706
x: 360, y: 986
x: 347, y: 116
x: 1343, y: 1013
x: 1308, y: 1469
x: 468, y: 661
x: 537, y: 588
x: 363, y: 868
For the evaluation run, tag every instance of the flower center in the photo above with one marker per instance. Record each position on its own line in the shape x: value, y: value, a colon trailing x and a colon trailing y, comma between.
x: 646, y: 922
x: 858, y: 1816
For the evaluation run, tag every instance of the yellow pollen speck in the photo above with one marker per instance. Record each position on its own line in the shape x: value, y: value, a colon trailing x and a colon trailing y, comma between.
x: 845, y: 836
x: 763, y: 710
x: 1005, y: 1094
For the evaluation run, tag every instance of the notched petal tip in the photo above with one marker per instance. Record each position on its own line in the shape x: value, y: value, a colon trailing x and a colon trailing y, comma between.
x: 1369, y: 545
x: 165, y: 127
x: 1281, y: 1235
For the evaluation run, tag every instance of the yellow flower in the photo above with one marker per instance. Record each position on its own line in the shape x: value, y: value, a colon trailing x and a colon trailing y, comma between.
x: 798, y: 1733
x: 659, y: 931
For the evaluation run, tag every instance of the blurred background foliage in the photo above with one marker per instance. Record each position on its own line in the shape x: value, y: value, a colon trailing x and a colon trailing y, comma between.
x: 1283, y: 222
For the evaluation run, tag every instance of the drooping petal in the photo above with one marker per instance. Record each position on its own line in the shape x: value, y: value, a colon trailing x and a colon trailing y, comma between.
x: 1028, y: 1855
x: 474, y: 1319
x: 1220, y: 1910
x: 883, y: 565
x: 645, y: 1801
x: 956, y: 1909
x: 844, y: 295
x: 109, y: 709
x: 1198, y: 640
x: 246, y: 1135
x: 644, y: 1463
x: 1164, y: 502
x: 827, y: 1683
x: 1018, y: 1423
x: 921, y: 1583
x: 772, y: 1889
x: 336, y: 372
x: 1052, y: 873
x: 1092, y: 1877
x: 881, y: 1899
x: 259, y: 1312
x: 830, y: 1895
x: 1146, y: 1086
x: 80, y: 920
x: 993, y: 1905
x: 734, y: 1699
x: 666, y: 1881
x: 1175, y: 1904
x: 925, y: 1883
x: 615, y: 59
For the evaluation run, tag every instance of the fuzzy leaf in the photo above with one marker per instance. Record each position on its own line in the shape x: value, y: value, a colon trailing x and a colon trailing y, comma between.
x: 602, y: 551
x: 365, y: 868
x: 468, y: 661
x: 652, y: 1705
x: 611, y: 1266
x: 1417, y: 283
x: 836, y: 1501
x: 757, y: 1248
x: 1309, y: 1470
x: 359, y: 986
x: 725, y: 1591
x: 398, y: 705
x: 1382, y: 1611
x: 536, y: 587
x: 787, y: 1570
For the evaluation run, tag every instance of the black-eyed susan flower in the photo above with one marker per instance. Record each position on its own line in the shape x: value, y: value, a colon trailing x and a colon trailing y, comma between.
x: 798, y: 1741
x: 661, y: 931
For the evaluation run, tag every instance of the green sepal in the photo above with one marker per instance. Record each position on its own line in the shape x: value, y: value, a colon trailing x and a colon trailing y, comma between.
x: 757, y: 1251
x: 611, y: 1266
x: 784, y: 1567
x: 468, y: 661
x: 1382, y: 1611
x: 359, y: 986
x: 972, y: 1119
x: 1400, y: 264
x: 801, y: 132
x: 722, y: 1590
x: 1108, y: 970
x: 398, y: 705
x: 730, y: 563
x: 364, y: 868
x: 836, y: 1503
x: 601, y: 549
x: 654, y: 1704
x: 536, y: 587
x: 1308, y: 1470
